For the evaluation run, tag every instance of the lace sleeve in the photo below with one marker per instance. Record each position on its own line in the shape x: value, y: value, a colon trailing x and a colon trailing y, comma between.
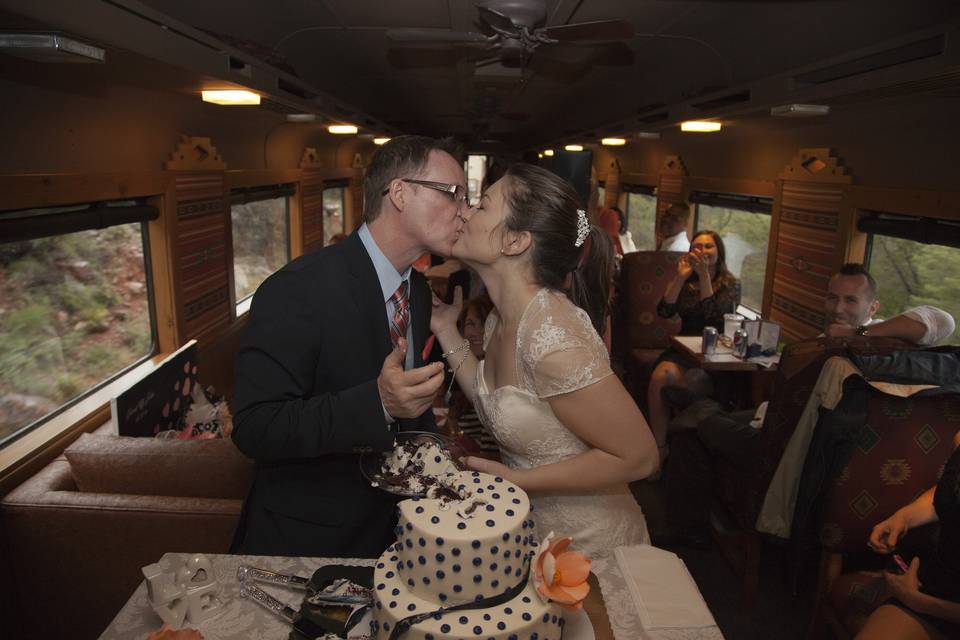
x: 558, y: 350
x: 488, y: 327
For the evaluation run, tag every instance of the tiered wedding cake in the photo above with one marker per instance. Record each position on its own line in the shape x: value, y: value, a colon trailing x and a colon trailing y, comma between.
x: 460, y: 568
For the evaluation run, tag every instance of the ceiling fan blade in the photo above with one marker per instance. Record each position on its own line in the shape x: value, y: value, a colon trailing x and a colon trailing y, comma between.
x: 591, y: 31
x: 439, y: 36
x: 615, y: 54
x: 499, y: 22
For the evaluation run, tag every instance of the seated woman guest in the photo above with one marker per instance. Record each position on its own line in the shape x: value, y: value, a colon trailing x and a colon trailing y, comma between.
x: 702, y: 291
x: 925, y: 602
x: 463, y: 418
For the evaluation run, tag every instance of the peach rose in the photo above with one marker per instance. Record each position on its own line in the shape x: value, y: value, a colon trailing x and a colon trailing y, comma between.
x: 166, y: 632
x: 561, y: 575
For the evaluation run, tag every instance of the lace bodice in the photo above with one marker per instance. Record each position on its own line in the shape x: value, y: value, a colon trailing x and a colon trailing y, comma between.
x: 558, y: 351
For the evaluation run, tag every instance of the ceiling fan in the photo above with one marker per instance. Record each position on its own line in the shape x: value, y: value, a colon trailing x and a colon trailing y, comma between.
x: 510, y: 31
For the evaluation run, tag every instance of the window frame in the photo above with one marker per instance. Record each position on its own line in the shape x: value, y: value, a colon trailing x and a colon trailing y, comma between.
x: 344, y: 186
x: 255, y: 193
x: 642, y: 189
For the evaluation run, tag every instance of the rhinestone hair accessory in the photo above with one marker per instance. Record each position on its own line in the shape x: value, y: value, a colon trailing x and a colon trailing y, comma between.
x: 583, y: 227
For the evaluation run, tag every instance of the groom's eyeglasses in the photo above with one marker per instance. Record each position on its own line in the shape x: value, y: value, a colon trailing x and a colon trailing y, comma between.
x: 457, y: 192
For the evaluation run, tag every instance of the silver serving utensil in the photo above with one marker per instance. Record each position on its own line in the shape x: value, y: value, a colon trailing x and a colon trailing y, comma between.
x: 304, y: 626
x: 339, y: 592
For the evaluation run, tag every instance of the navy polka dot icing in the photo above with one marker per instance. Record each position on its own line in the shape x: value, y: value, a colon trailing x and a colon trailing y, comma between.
x: 476, y: 544
x: 456, y: 568
x: 409, y: 564
x: 477, y: 578
x: 434, y: 519
x: 501, y: 625
x: 526, y: 616
x: 393, y: 604
x: 440, y: 557
x: 389, y: 574
x: 506, y: 537
x: 496, y: 496
x: 442, y: 597
x: 409, y: 527
x: 439, y: 542
x: 386, y: 626
x: 493, y: 566
x: 409, y: 543
x: 441, y: 575
x: 426, y: 580
x: 456, y: 551
x: 480, y: 490
x: 497, y: 479
x: 546, y: 617
x: 553, y: 619
x: 476, y: 480
x: 490, y: 507
x: 508, y: 611
x: 445, y: 628
x: 526, y: 599
x: 495, y: 583
x: 461, y: 525
x: 457, y: 588
x: 395, y: 591
x: 477, y: 630
x: 491, y: 523
x: 516, y: 501
x: 464, y: 620
x: 477, y: 562
x: 487, y: 617
x: 422, y: 560
x: 510, y: 512
x: 411, y: 582
x: 512, y: 489
x: 381, y: 587
x: 379, y: 565
x: 419, y: 509
x: 411, y: 607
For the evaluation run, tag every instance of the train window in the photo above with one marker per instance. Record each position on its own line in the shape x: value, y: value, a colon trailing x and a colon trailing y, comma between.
x: 475, y: 169
x: 744, y: 224
x: 261, y: 238
x: 912, y: 262
x: 601, y: 195
x: 74, y: 307
x: 641, y: 212
x: 334, y: 208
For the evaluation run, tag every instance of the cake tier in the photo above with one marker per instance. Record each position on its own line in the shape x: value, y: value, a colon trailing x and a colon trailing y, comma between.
x: 524, y: 617
x: 448, y: 559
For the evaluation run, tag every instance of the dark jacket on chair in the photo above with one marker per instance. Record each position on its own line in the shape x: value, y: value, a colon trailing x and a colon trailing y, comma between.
x: 307, y: 405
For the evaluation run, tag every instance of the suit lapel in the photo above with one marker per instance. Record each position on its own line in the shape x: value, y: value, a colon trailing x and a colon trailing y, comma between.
x: 368, y: 296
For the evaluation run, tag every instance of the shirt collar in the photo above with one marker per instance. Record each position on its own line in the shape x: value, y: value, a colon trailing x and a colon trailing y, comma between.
x: 388, y: 276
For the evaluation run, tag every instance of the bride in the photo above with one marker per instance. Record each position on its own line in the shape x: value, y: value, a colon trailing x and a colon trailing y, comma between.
x: 570, y: 434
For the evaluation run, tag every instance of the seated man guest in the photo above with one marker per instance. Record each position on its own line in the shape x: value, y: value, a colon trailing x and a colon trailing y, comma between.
x: 672, y: 234
x: 330, y: 365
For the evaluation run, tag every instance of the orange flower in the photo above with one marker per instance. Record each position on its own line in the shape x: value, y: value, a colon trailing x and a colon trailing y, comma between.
x: 166, y: 632
x: 560, y: 575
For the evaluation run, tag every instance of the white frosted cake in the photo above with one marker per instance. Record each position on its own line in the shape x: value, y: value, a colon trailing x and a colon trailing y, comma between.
x: 473, y: 551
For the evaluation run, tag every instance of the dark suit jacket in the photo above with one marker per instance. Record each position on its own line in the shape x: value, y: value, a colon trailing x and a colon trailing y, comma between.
x: 307, y: 405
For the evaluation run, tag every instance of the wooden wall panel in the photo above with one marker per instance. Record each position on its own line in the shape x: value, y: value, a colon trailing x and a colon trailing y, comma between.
x: 205, y: 250
x: 670, y: 186
x: 807, y: 245
x: 311, y: 209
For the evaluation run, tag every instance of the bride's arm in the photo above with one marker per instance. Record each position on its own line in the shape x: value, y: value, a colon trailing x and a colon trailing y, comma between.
x: 443, y: 323
x: 605, y: 417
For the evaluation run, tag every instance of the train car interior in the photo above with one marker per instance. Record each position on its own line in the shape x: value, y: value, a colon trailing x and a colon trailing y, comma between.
x: 164, y: 158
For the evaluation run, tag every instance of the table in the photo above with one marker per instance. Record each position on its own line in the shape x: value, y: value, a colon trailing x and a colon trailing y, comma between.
x: 246, y: 620
x: 723, y: 359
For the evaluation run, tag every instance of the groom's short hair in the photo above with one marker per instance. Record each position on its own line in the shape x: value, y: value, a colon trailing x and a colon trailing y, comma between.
x: 400, y: 157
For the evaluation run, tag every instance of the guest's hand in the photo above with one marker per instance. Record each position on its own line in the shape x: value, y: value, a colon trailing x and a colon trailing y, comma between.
x: 444, y: 316
x: 407, y: 394
x: 494, y: 468
x: 699, y: 264
x: 905, y: 587
x: 886, y: 535
x: 839, y: 330
x: 684, y: 266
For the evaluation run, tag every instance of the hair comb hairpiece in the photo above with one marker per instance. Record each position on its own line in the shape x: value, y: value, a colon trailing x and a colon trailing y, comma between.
x: 583, y: 227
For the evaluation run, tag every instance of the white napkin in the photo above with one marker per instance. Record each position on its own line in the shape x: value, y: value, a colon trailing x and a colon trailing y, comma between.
x: 662, y: 589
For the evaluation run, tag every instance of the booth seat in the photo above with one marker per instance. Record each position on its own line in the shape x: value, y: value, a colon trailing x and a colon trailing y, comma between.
x: 639, y: 332
x: 79, y: 531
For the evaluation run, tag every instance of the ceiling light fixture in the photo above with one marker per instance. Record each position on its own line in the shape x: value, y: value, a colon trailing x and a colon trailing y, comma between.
x: 548, y: 153
x: 379, y: 141
x: 301, y: 117
x: 342, y: 129
x: 800, y: 110
x: 700, y: 126
x: 574, y: 147
x: 649, y: 135
x: 613, y: 142
x: 231, y: 98
x: 50, y: 47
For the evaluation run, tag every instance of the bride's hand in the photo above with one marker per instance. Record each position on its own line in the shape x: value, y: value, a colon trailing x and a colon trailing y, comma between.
x: 476, y: 463
x: 445, y: 316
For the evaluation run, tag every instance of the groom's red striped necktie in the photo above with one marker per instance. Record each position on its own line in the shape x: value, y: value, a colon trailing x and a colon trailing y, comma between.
x: 401, y: 313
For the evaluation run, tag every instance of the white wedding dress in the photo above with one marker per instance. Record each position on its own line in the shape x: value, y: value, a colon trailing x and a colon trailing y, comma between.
x: 558, y: 351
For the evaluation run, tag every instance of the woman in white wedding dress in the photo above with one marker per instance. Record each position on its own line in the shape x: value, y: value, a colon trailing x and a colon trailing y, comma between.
x: 570, y: 434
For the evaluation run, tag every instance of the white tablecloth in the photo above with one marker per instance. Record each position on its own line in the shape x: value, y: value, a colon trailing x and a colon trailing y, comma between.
x: 246, y: 620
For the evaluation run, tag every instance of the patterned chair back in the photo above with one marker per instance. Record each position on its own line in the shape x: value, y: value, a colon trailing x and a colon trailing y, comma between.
x: 742, y: 490
x: 902, y: 454
x: 644, y: 276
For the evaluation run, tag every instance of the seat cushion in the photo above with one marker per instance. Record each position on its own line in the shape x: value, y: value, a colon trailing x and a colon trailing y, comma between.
x: 152, y: 467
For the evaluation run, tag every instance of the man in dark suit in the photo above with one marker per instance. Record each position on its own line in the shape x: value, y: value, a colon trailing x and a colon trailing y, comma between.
x: 330, y: 364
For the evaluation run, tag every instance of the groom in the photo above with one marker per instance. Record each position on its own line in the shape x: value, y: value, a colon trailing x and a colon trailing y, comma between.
x: 330, y: 365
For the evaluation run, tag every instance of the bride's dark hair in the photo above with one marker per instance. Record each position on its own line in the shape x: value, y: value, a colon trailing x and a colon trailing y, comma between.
x: 546, y: 205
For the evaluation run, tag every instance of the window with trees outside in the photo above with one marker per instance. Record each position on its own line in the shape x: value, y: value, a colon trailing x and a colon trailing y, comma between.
x: 74, y: 309
x: 261, y: 239
x: 641, y: 213
x: 910, y: 272
x: 333, y: 211
x: 743, y: 223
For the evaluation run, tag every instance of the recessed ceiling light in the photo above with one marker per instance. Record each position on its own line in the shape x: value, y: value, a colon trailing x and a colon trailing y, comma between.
x: 301, y: 117
x: 574, y: 147
x: 381, y: 140
x: 231, y: 97
x: 649, y: 135
x: 342, y: 128
x: 800, y: 110
x: 548, y: 152
x: 613, y: 142
x: 700, y: 126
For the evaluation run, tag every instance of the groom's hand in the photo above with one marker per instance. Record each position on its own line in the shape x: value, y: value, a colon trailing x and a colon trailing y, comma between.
x: 407, y: 394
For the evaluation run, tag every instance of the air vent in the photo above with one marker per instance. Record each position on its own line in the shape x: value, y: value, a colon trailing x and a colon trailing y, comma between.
x: 939, y: 82
x: 293, y: 89
x: 239, y: 66
x: 919, y: 50
x: 654, y: 117
x: 723, y: 101
x: 650, y: 107
x: 278, y: 107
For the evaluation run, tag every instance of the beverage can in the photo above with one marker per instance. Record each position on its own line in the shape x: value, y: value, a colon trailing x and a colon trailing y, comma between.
x: 740, y: 343
x: 710, y: 336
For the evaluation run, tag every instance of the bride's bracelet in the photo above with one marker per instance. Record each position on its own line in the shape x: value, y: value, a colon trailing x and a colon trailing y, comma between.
x: 454, y: 372
x: 461, y: 347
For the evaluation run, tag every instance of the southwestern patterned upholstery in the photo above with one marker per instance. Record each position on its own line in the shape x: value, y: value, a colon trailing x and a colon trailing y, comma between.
x: 644, y: 276
x: 907, y: 443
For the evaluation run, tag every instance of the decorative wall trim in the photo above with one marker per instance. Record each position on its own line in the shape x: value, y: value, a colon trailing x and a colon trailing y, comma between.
x: 310, y: 159
x: 817, y: 165
x: 194, y: 154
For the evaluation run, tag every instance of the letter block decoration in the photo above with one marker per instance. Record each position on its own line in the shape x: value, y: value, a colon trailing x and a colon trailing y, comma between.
x: 185, y: 593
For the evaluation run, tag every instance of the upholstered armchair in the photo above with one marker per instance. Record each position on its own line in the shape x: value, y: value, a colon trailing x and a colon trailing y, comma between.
x: 903, y: 451
x: 640, y: 335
